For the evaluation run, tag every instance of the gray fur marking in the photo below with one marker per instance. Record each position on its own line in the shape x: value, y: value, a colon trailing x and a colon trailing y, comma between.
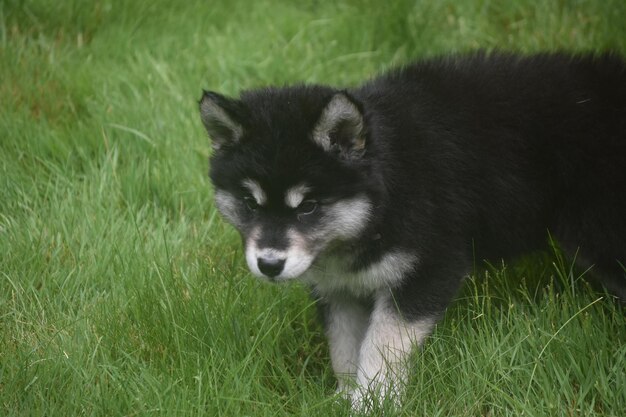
x: 340, y: 110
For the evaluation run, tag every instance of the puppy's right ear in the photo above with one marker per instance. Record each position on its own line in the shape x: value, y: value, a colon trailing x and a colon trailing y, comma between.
x: 220, y: 116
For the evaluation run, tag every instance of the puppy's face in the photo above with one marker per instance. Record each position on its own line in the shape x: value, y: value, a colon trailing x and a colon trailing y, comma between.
x: 289, y: 172
x: 285, y: 229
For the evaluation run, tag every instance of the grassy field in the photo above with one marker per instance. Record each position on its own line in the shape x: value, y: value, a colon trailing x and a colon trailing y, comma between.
x: 123, y: 293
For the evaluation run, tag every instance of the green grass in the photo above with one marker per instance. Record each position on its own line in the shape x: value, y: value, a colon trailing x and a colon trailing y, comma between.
x: 123, y: 293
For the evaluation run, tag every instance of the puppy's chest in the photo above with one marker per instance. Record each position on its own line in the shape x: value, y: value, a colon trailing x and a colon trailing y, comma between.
x: 334, y: 274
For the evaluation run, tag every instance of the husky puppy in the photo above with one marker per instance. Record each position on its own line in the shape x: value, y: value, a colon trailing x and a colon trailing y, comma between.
x: 381, y: 197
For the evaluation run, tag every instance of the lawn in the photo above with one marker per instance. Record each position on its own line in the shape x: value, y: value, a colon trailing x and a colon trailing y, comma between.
x: 122, y: 292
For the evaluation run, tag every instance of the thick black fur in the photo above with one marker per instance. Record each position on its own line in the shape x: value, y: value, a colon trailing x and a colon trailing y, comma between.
x: 499, y: 151
x: 467, y: 158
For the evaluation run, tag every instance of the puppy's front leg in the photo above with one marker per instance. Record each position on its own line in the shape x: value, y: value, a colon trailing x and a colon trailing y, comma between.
x: 346, y: 320
x: 382, y: 368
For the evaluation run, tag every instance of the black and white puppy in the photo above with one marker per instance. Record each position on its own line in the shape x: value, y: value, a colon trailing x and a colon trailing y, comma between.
x: 381, y: 197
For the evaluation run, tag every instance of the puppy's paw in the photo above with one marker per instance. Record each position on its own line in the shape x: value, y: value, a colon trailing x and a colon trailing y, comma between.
x: 368, y: 401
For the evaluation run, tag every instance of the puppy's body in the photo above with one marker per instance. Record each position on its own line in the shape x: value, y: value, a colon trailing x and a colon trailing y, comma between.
x: 383, y: 196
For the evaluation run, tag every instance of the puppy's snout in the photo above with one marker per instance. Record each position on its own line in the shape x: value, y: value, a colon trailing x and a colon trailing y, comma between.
x: 270, y: 266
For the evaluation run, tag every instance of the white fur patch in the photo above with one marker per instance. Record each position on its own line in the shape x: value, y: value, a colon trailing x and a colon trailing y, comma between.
x: 256, y: 191
x: 297, y: 257
x: 348, y: 218
x: 347, y: 323
x: 385, y: 349
x: 332, y: 275
x: 295, y: 195
x: 227, y: 205
x: 252, y: 252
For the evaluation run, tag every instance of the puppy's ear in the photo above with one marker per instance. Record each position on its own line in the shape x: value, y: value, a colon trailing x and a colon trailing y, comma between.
x: 340, y: 128
x: 221, y: 117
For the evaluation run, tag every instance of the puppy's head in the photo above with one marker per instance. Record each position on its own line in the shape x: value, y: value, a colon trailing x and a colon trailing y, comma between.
x: 291, y: 172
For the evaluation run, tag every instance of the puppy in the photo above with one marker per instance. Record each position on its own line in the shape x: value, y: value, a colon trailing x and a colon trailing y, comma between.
x: 381, y: 197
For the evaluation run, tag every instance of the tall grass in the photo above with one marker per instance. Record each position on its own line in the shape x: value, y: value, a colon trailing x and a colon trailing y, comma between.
x: 123, y: 293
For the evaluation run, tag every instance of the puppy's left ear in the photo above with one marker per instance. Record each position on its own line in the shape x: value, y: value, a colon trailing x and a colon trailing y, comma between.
x: 340, y: 128
x: 222, y: 118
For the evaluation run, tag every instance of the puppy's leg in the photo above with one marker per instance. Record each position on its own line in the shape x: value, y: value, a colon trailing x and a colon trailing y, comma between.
x: 346, y: 321
x: 385, y: 349
x: 401, y: 319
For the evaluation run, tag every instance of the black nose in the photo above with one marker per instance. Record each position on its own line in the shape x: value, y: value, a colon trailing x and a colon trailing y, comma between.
x: 270, y: 266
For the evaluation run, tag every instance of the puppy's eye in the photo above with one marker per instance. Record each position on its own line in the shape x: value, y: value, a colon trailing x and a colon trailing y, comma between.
x: 306, y: 207
x: 251, y: 203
